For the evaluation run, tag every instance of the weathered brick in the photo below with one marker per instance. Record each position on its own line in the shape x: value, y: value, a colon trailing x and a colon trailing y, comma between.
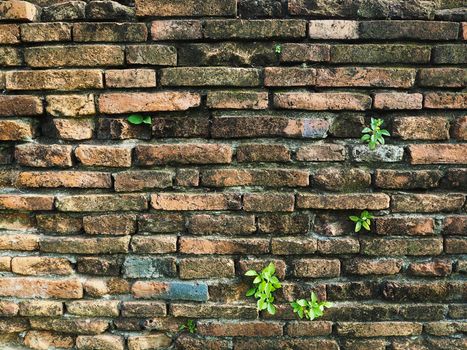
x: 9, y: 34
x: 445, y: 100
x: 422, y: 291
x: 385, y: 153
x: 72, y: 179
x: 437, y: 267
x: 379, y: 329
x: 206, y: 224
x: 130, y: 78
x: 426, y: 203
x: 305, y: 53
x: 268, y: 202
x: 240, y: 329
x: 10, y: 57
x: 257, y: 152
x: 69, y: 129
x: 183, y: 154
x: 366, y: 77
x: 412, y: 30
x: 211, y: 245
x: 107, y: 156
x: 135, y: 181
x: 121, y: 129
x: 161, y: 222
x: 316, y: 268
x: 333, y: 29
x: 159, y: 244
x: 116, y: 103
x: 293, y: 245
x: 91, y: 308
x: 79, y: 245
x: 101, y: 266
x: 341, y: 179
x: 322, y: 153
x: 109, y: 32
x: 15, y: 10
x: 338, y: 245
x: 153, y: 341
x: 438, y: 154
x: 401, y: 246
x: 284, y: 223
x: 20, y: 105
x: 187, y: 177
x: 450, y: 54
x: 245, y: 265
x: 74, y: 56
x: 72, y: 325
x: 105, y: 341
x: 64, y: 11
x: 421, y: 128
x: 199, y: 268
x: 442, y: 77
x: 412, y: 226
x: 37, y: 155
x: 176, y: 30
x: 189, y: 126
x: 63, y: 79
x: 45, y: 340
x: 322, y: 101
x: 213, y: 311
x: 143, y: 308
x: 254, y: 177
x: 45, y: 32
x: 41, y: 266
x: 70, y: 105
x: 59, y: 223
x: 27, y: 287
x: 102, y: 202
x: 210, y: 76
x: 16, y: 221
x: 459, y: 129
x: 282, y: 343
x: 110, y: 224
x: 41, y: 308
x: 455, y: 245
x: 160, y: 55
x: 373, y: 201
x: 380, y: 53
x: 16, y: 130
x: 455, y: 225
x: 305, y: 329
x: 196, y: 8
x: 237, y: 99
x: 396, y: 100
x: 251, y: 29
x: 190, y: 291
x: 364, y: 266
x: 289, y: 76
x: 26, y: 202
x: 195, y: 201
x: 407, y: 179
x: 109, y: 11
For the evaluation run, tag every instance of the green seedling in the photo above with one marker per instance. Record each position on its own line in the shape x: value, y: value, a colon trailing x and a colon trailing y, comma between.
x: 190, y: 326
x: 137, y: 119
x: 264, y: 285
x: 310, y: 309
x: 364, y: 220
x: 278, y: 49
x: 374, y: 134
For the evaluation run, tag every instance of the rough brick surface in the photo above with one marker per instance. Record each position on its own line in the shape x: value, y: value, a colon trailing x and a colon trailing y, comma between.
x: 246, y: 150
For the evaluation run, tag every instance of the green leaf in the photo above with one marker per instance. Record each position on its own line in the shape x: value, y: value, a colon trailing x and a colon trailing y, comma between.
x: 250, y: 292
x: 366, y: 225
x: 257, y: 280
x: 366, y: 130
x: 365, y: 137
x: 251, y: 273
x: 271, y: 309
x: 385, y: 132
x: 135, y: 119
x: 358, y: 226
x: 354, y: 218
x: 147, y: 120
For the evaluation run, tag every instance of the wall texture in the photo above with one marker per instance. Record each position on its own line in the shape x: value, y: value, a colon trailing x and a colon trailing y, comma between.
x: 112, y: 235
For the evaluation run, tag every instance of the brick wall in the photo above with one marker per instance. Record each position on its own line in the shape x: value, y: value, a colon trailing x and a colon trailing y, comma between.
x: 112, y: 235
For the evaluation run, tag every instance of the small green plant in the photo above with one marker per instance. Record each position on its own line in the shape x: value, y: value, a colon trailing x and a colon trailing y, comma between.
x: 364, y: 220
x: 265, y: 283
x: 374, y: 134
x: 190, y: 326
x: 310, y: 309
x: 278, y: 49
x: 137, y: 119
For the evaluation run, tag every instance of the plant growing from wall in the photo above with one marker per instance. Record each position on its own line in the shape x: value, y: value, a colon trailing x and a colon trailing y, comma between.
x: 190, y: 326
x: 137, y: 119
x: 364, y: 220
x: 374, y: 134
x: 264, y: 285
x: 278, y: 49
x: 310, y: 309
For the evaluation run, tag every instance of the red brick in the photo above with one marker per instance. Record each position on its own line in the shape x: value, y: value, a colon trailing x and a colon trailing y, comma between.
x: 322, y: 153
x: 268, y: 202
x: 398, y: 100
x: 366, y: 77
x: 421, y: 128
x: 59, y: 223
x: 412, y: 226
x: 70, y: 105
x: 37, y: 155
x: 455, y: 225
x: 237, y: 99
x: 16, y: 130
x: 307, y: 329
x: 208, y: 245
x: 20, y: 105
x: 459, y: 130
x: 196, y: 8
x: 187, y: 177
x: 240, y: 329
x: 333, y: 29
x: 46, y: 340
x: 116, y: 103
x: 289, y: 76
x: 129, y: 181
x: 195, y: 201
x: 427, y: 203
x: 442, y: 77
x: 150, y: 341
x: 199, y: 268
x: 316, y: 268
x: 322, y: 101
x: 102, y: 202
x: 438, y: 154
x: 373, y: 201
x: 226, y: 224
x: 445, y: 100
x: 341, y: 179
x: 109, y: 31
x: 107, y: 156
x: 191, y: 153
x: 130, y: 78
x: 80, y: 245
x: 158, y: 244
x: 363, y: 266
x: 16, y: 221
x: 293, y: 245
x: 45, y: 32
x: 305, y: 53
x: 379, y: 329
x: 26, y: 202
x: 437, y: 267
x: 284, y: 224
x: 455, y: 245
x: 110, y: 224
x: 54, y: 79
x: 406, y: 179
x: 105, y: 341
x: 69, y: 129
x: 401, y: 246
x: 41, y: 308
x: 338, y: 245
x: 41, y: 266
x: 72, y: 325
x: 72, y: 179
x: 19, y: 242
x: 27, y: 287
x: 262, y: 153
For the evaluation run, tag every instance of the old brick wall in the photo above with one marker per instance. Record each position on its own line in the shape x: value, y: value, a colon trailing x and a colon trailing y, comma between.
x: 112, y: 235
